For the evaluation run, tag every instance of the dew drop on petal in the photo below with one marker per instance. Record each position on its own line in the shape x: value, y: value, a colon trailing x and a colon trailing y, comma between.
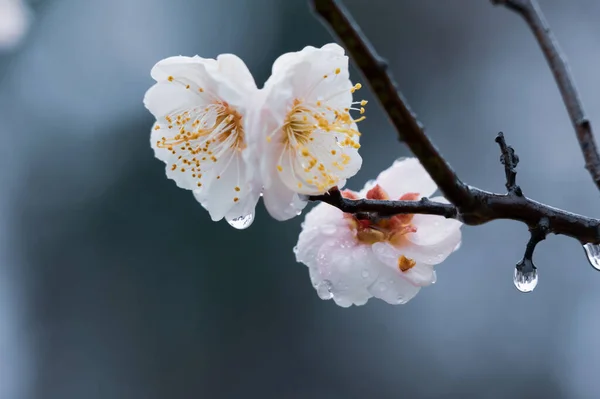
x: 400, y: 300
x: 328, y: 229
x: 593, y: 254
x: 525, y: 281
x: 241, y: 222
x: 364, y: 273
x: 382, y: 286
x: 324, y: 289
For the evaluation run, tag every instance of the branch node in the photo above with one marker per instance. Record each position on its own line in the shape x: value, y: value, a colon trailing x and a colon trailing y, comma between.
x: 510, y: 160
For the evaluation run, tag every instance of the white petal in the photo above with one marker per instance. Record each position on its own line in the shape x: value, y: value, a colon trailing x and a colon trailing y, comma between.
x: 406, y: 176
x: 221, y: 195
x: 392, y: 287
x: 323, y: 220
x: 236, y: 71
x: 432, y: 230
x: 422, y: 275
x: 167, y: 97
x: 281, y: 202
x: 347, y: 269
x: 181, y: 66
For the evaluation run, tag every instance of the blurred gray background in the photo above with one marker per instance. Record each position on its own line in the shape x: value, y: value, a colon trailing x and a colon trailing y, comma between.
x: 115, y: 284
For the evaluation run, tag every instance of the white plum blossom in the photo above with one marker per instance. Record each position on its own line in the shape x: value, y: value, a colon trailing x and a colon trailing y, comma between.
x: 15, y: 18
x: 352, y: 260
x: 202, y: 107
x: 309, y: 142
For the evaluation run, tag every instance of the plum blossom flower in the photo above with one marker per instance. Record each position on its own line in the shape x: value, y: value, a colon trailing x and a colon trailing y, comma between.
x: 202, y: 108
x: 310, y: 141
x: 15, y: 18
x: 352, y: 260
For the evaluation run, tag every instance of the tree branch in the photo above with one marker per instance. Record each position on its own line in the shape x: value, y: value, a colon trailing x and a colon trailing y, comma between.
x: 469, y: 204
x: 531, y: 12
x: 410, y: 130
x: 384, y: 208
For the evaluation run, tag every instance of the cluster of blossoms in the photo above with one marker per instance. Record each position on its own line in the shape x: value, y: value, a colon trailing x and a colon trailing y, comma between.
x: 231, y: 143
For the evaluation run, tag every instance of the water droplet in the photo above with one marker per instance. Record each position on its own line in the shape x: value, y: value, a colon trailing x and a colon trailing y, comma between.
x: 382, y: 286
x: 241, y: 222
x: 324, y: 289
x: 525, y: 278
x: 328, y: 229
x: 295, y: 249
x: 299, y: 212
x: 401, y: 300
x: 364, y: 273
x: 593, y: 254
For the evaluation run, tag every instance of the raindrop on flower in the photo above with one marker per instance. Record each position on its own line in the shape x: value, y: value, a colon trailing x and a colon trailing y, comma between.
x: 593, y: 254
x: 525, y: 278
x: 364, y: 273
x: 328, y: 229
x: 241, y: 222
x: 324, y: 289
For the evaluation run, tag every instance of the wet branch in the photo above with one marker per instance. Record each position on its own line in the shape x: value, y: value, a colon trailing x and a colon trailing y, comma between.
x: 532, y: 13
x: 409, y: 129
x: 469, y: 204
x: 383, y: 208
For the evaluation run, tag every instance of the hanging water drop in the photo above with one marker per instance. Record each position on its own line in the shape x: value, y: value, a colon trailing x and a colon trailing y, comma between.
x: 241, y: 222
x: 593, y: 254
x: 324, y: 289
x: 525, y: 276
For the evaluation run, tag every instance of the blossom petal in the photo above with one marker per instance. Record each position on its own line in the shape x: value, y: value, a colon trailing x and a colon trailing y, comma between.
x: 421, y: 274
x: 406, y: 176
x: 228, y: 188
x: 236, y: 71
x: 281, y: 202
x: 392, y: 287
x: 433, y: 229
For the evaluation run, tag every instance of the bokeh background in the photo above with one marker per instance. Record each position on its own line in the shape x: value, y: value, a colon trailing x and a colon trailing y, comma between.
x: 115, y: 284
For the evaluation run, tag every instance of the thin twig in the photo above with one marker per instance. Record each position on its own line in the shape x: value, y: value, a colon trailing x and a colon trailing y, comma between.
x: 469, y: 204
x: 510, y: 160
x: 532, y: 13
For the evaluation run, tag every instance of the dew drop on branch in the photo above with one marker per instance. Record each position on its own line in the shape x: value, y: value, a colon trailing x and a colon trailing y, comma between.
x: 593, y: 254
x: 525, y: 280
x: 241, y: 222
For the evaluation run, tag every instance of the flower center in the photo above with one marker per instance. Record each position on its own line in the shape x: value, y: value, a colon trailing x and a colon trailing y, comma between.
x: 201, y: 136
x: 317, y: 140
x: 392, y: 230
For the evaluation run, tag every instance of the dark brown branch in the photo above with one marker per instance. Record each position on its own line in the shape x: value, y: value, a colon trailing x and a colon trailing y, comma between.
x: 383, y: 208
x: 410, y: 130
x: 531, y: 12
x: 470, y: 205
